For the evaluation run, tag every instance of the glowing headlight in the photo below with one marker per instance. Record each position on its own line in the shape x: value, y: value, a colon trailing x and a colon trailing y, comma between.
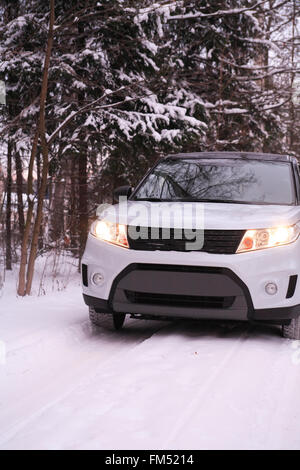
x: 268, y: 238
x: 110, y: 232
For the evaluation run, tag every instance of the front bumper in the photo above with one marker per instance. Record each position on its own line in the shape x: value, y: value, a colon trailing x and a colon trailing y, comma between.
x: 194, y: 284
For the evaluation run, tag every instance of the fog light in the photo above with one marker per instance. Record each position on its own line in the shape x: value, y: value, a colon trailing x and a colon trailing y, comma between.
x: 271, y: 288
x: 98, y: 279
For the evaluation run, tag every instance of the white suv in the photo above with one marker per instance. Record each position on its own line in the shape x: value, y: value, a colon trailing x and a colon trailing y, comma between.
x: 204, y: 235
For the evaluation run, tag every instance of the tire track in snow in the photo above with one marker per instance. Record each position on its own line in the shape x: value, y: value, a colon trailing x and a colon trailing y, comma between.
x: 285, y: 410
x: 194, y: 403
x: 88, y: 382
x: 125, y: 386
x: 135, y: 397
x: 91, y: 362
x: 248, y: 395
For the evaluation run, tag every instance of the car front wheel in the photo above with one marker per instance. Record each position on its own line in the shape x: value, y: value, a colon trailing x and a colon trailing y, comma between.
x: 116, y: 320
x: 292, y: 331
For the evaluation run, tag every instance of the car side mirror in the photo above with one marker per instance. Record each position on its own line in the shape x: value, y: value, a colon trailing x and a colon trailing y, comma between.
x: 122, y: 191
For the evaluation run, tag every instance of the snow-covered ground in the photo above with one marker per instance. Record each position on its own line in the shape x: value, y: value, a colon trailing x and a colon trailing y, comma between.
x: 154, y: 385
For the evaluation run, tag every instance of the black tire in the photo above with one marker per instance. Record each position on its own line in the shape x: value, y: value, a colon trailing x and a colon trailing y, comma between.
x: 292, y: 331
x: 115, y: 320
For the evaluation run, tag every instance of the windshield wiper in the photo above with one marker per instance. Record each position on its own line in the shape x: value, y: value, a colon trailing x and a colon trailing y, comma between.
x: 230, y: 201
x: 191, y: 199
x: 151, y: 199
x: 225, y: 201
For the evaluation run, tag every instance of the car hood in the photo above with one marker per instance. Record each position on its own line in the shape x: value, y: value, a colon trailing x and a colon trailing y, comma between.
x: 200, y: 215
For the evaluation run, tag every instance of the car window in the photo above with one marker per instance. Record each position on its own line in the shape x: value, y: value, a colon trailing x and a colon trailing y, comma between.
x: 228, y: 180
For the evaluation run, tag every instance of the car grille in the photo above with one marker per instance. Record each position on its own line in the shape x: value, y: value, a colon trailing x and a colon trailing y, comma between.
x: 179, y: 300
x: 215, y: 241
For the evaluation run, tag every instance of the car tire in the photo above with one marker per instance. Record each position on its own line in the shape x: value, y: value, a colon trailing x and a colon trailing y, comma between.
x: 292, y: 331
x: 115, y: 320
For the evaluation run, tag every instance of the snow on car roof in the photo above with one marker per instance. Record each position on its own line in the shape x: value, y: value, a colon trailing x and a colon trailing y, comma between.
x: 246, y: 155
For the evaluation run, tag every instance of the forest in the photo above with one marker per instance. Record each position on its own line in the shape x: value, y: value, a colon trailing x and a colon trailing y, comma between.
x: 92, y: 93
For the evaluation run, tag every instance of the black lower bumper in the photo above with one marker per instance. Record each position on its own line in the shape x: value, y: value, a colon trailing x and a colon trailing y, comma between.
x: 274, y: 315
x: 98, y: 304
x: 178, y: 290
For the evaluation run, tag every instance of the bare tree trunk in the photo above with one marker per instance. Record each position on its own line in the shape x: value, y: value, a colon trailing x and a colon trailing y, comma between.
x: 82, y: 164
x: 8, y: 207
x: 292, y: 114
x: 83, y: 202
x: 72, y: 212
x: 25, y: 288
x: 267, y: 82
x: 19, y: 181
x: 30, y: 202
x: 39, y: 215
x: 57, y: 207
x: 220, y: 114
x: 38, y: 181
x: 38, y: 168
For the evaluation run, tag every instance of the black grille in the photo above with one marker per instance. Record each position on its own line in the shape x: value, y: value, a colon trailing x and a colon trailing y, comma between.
x: 215, y: 241
x: 195, y: 301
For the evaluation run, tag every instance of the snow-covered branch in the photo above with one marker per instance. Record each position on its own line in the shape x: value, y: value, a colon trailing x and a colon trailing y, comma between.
x: 219, y: 13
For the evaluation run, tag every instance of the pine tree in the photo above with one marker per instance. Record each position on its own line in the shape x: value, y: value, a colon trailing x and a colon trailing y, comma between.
x: 214, y: 50
x: 130, y: 80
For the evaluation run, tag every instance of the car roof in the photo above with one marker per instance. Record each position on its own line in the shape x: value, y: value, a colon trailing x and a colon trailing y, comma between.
x: 236, y: 155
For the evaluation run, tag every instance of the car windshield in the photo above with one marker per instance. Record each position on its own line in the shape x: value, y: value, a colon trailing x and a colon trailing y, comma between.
x: 219, y: 180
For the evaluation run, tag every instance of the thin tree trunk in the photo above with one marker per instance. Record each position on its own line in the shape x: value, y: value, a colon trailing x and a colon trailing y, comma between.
x: 268, y: 81
x: 38, y: 183
x: 8, y: 207
x: 82, y: 164
x: 83, y: 203
x: 38, y: 169
x: 57, y: 207
x: 19, y: 181
x: 292, y: 81
x: 39, y: 216
x: 25, y: 288
x: 30, y: 203
x: 73, y: 205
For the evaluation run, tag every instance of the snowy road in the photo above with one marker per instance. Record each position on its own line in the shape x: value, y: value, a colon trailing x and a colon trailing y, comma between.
x: 155, y: 385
